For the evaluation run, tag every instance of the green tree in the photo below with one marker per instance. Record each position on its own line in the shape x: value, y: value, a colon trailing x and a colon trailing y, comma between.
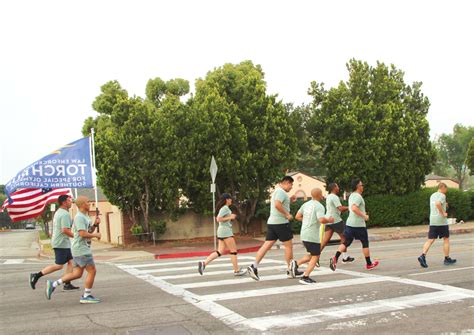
x: 470, y: 157
x: 453, y: 150
x: 233, y: 118
x: 374, y: 127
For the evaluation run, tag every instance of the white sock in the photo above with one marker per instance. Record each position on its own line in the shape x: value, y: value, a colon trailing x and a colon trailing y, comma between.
x: 57, y: 283
x: 87, y: 292
x: 344, y: 255
x: 255, y: 264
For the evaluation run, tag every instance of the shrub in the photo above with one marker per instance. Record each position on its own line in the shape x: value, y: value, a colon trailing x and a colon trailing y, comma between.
x: 158, y: 226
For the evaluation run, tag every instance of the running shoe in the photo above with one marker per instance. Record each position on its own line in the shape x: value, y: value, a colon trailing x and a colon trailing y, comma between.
x: 293, y: 268
x: 422, y: 260
x: 348, y: 259
x: 240, y: 273
x: 49, y: 289
x: 69, y: 287
x: 372, y: 266
x: 307, y: 281
x: 33, y: 280
x: 333, y: 263
x: 89, y: 300
x: 201, y: 267
x: 298, y: 273
x: 449, y: 261
x: 253, y: 272
x: 317, y: 264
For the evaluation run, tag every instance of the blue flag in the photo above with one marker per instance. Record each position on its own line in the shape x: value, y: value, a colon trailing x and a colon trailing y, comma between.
x: 68, y: 167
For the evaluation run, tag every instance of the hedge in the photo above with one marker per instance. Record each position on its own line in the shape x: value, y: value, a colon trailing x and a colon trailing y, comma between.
x: 395, y: 211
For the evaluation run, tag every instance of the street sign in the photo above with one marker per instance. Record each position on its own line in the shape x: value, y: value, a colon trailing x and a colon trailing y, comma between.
x: 213, y: 169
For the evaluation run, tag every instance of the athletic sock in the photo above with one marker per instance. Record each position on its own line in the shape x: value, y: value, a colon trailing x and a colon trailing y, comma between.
x: 368, y: 261
x: 255, y: 264
x: 424, y: 255
x: 57, y: 283
x: 446, y: 257
x: 38, y: 275
x: 344, y: 255
x: 87, y: 292
x: 338, y: 253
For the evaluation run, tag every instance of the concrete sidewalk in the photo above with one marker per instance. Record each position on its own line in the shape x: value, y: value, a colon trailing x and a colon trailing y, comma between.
x: 189, y: 248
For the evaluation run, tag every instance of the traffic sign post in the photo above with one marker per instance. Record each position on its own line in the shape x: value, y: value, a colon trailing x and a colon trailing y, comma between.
x: 213, y: 170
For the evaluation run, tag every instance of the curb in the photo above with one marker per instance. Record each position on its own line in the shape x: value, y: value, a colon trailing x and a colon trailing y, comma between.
x: 203, y: 253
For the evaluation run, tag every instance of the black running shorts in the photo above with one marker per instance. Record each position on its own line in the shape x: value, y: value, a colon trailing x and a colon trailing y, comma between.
x: 438, y: 232
x: 62, y: 255
x: 337, y: 227
x: 280, y: 232
x: 313, y: 248
x: 356, y: 233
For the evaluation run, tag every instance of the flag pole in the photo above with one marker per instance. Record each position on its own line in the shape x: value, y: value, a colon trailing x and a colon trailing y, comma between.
x: 95, y: 174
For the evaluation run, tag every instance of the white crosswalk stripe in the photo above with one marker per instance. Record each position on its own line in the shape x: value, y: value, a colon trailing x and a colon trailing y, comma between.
x: 12, y: 261
x: 180, y: 278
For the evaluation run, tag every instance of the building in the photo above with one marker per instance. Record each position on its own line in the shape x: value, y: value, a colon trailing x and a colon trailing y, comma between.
x: 303, y: 185
x: 433, y: 180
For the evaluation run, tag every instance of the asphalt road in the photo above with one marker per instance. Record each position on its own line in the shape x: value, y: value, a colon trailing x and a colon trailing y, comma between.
x: 169, y: 297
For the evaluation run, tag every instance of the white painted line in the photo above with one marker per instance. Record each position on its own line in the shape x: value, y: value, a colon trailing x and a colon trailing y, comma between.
x: 239, y: 281
x: 215, y: 273
x: 210, y: 266
x: 438, y: 271
x: 288, y: 289
x: 194, y: 261
x: 354, y: 310
x: 13, y: 261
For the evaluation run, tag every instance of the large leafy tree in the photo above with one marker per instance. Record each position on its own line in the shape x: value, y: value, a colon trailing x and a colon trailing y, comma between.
x: 233, y: 118
x: 374, y: 127
x: 470, y: 157
x: 453, y: 149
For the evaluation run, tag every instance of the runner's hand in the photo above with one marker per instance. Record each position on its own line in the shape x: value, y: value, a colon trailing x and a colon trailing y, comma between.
x: 98, y: 235
x: 366, y: 217
x: 233, y: 216
x: 331, y: 219
x: 289, y: 217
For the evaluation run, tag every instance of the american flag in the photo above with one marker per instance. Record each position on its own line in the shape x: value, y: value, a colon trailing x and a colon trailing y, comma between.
x: 29, y: 203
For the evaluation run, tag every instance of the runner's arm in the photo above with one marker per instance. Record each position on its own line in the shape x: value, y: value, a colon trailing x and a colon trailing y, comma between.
x: 299, y: 216
x: 68, y: 232
x: 342, y: 208
x: 440, y: 209
x: 86, y: 234
x: 358, y: 212
x: 282, y: 210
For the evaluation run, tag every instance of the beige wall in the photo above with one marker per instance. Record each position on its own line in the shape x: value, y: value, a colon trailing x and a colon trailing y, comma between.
x: 304, y: 184
x: 434, y: 183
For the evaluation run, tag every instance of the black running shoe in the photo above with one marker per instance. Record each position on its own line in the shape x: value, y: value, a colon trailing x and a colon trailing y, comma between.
x: 253, y: 272
x: 33, y: 280
x: 348, y: 259
x: 307, y: 281
x: 298, y: 274
x: 69, y: 287
x: 422, y: 260
x: 201, y: 267
x: 333, y: 263
x: 449, y: 261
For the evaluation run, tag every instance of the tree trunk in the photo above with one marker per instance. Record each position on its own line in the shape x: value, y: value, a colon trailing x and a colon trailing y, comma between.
x: 145, y: 205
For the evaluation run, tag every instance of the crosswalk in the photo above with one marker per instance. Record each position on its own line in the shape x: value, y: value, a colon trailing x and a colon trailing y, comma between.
x: 248, y: 306
x: 11, y: 261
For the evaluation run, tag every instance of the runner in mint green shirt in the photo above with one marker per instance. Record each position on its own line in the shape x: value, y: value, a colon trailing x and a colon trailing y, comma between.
x: 60, y: 243
x: 82, y: 254
x: 312, y: 215
x: 438, y: 225
x: 225, y: 236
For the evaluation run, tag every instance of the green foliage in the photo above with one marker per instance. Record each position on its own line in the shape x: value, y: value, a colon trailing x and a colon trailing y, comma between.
x: 470, y: 193
x: 373, y: 127
x: 470, y: 157
x: 158, y: 226
x: 453, y: 151
x: 136, y: 229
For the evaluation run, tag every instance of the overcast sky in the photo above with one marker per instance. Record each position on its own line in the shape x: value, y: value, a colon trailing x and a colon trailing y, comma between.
x: 55, y: 55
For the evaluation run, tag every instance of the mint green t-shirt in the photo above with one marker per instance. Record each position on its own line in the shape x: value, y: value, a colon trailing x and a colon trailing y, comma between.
x: 436, y: 219
x: 276, y: 217
x: 355, y: 220
x: 312, y: 212
x: 80, y: 247
x: 332, y: 204
x: 61, y: 220
x: 225, y: 228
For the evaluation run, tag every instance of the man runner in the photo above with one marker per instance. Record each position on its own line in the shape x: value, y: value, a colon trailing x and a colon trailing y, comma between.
x: 355, y: 227
x: 81, y: 252
x: 334, y: 209
x: 60, y: 243
x: 278, y: 228
x: 438, y: 225
x: 312, y: 215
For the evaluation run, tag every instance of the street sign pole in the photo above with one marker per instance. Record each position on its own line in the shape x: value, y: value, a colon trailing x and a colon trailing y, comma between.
x: 213, y: 191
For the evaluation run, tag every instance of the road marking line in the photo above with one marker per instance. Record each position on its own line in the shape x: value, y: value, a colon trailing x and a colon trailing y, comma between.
x: 354, y: 310
x: 158, y: 263
x: 210, y: 266
x: 437, y: 271
x: 288, y: 289
x: 215, y: 273
x: 238, y: 281
x: 13, y: 261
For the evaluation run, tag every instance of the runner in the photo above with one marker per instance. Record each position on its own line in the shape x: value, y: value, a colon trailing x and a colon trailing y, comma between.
x: 225, y: 235
x: 355, y: 227
x: 278, y: 228
x: 438, y: 225
x: 312, y: 215
x: 81, y: 252
x: 334, y: 209
x: 60, y: 243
